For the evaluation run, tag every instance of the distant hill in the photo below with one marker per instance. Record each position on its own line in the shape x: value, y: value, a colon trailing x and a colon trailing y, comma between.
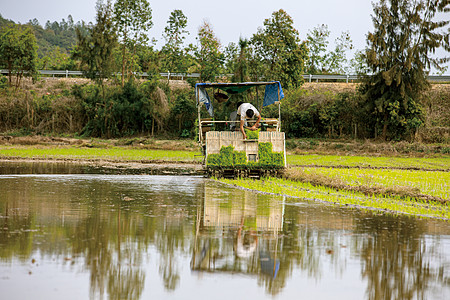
x: 54, y: 39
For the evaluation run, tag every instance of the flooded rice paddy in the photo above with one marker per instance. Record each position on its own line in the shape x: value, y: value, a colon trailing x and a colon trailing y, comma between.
x: 67, y: 234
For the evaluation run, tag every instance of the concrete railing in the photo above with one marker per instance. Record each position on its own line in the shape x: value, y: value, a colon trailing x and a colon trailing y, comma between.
x: 182, y: 76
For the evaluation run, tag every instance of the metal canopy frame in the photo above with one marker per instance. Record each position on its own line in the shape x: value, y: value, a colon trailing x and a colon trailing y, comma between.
x: 232, y: 84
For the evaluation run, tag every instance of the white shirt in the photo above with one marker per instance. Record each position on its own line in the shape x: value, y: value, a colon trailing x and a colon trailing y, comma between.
x: 244, y: 107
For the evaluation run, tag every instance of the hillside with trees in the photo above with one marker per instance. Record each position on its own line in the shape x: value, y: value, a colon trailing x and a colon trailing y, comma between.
x: 55, y: 41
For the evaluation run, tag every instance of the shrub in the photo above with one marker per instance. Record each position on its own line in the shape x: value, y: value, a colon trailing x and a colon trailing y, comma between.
x: 3, y: 82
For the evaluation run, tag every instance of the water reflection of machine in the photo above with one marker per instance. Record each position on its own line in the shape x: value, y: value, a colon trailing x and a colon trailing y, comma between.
x: 237, y: 232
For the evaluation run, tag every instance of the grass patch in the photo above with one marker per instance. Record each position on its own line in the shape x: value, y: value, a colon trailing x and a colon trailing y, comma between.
x: 108, y: 153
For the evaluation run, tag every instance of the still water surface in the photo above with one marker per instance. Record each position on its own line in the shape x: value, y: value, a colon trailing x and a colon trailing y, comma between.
x: 81, y: 236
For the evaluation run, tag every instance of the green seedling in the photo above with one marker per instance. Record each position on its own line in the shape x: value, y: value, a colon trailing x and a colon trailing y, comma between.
x: 308, y: 192
x: 228, y: 157
x: 252, y: 135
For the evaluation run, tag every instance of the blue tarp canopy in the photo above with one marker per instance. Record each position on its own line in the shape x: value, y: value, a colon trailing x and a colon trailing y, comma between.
x: 270, y: 95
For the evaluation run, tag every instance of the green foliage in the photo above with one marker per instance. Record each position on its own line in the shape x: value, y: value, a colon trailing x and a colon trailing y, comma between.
x: 265, y: 153
x: 337, y: 61
x: 400, y: 52
x: 96, y: 49
x: 252, y: 134
x: 225, y: 158
x: 3, y: 82
x: 55, y: 42
x: 18, y: 52
x: 214, y: 160
x: 56, y: 37
x: 317, y: 41
x: 322, y: 61
x: 133, y: 19
x: 57, y: 59
x: 320, y: 114
x: 279, y: 53
x: 209, y: 55
x: 237, y: 60
x: 184, y: 111
x: 135, y: 109
x: 123, y: 112
x: 99, y: 152
x: 175, y: 58
x: 322, y: 192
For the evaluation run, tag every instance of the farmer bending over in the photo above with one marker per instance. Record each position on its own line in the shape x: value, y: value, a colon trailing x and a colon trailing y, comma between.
x: 247, y: 111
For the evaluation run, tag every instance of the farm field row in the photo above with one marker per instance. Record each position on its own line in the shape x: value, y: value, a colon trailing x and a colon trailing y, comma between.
x: 141, y: 154
x: 386, y: 183
x: 110, y: 153
x: 301, y: 191
x: 427, y: 163
x: 433, y: 183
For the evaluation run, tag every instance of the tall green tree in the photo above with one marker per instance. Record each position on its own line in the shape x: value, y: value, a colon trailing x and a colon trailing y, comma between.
x: 95, y: 50
x: 237, y: 60
x: 320, y: 59
x: 337, y: 61
x: 18, y: 52
x: 174, y: 55
x: 209, y: 54
x: 231, y: 54
x: 279, y: 51
x: 358, y: 64
x: 317, y: 42
x: 241, y: 72
x: 400, y: 54
x: 133, y: 19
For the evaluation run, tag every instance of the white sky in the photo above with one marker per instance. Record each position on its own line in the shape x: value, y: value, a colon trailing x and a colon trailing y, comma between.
x: 230, y: 18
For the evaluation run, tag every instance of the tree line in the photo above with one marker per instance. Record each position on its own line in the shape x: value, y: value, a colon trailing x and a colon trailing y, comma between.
x: 398, y: 54
x: 58, y: 45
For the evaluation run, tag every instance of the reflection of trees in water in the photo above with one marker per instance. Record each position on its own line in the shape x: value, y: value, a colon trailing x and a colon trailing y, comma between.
x: 110, y: 235
x: 397, y: 262
x: 13, y: 240
x: 112, y: 257
x: 108, y: 229
x: 170, y: 240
